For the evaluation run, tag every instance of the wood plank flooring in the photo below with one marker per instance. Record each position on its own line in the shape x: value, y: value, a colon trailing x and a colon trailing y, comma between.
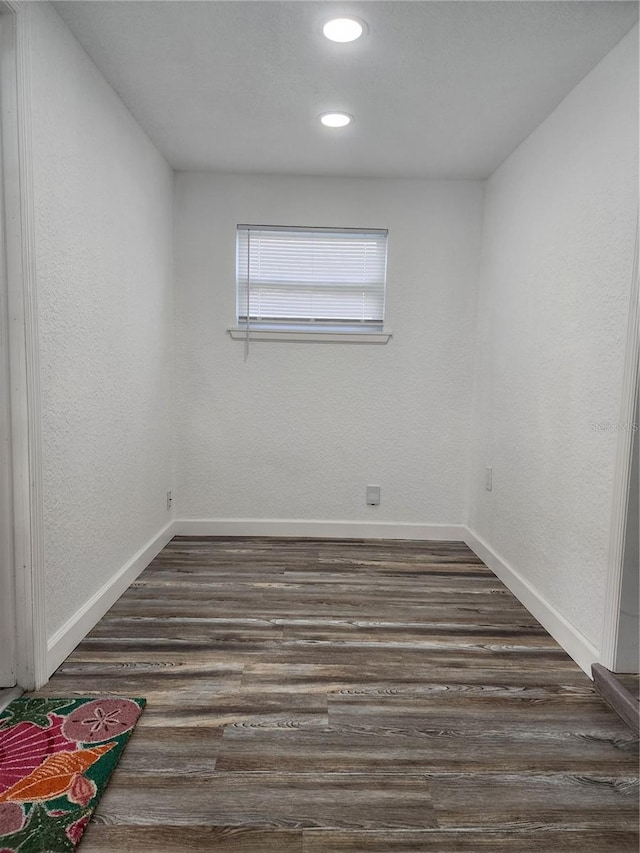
x: 314, y: 696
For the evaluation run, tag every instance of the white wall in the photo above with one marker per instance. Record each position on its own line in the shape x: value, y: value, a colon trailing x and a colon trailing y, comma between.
x: 103, y: 199
x: 553, y: 302
x: 298, y: 430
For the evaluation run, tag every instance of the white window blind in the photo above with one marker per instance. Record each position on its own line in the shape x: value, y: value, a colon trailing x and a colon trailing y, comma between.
x: 293, y: 277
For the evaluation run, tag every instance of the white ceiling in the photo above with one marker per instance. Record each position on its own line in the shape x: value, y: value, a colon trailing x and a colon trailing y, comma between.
x: 438, y: 89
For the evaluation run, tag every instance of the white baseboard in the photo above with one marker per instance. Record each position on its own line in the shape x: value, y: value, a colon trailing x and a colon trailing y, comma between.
x: 563, y: 632
x: 320, y: 529
x: 75, y: 629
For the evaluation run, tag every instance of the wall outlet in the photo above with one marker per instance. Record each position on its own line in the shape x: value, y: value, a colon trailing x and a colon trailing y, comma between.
x: 169, y: 501
x: 488, y: 478
x: 373, y: 495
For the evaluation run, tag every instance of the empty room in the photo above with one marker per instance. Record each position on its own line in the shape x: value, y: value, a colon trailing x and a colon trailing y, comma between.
x: 319, y: 517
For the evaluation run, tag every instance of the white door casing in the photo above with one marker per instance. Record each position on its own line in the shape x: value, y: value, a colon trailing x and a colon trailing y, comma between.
x: 27, y: 552
x: 7, y: 593
x: 613, y: 603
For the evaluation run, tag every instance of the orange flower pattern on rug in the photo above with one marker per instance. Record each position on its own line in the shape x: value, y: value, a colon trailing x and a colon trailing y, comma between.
x: 54, y: 776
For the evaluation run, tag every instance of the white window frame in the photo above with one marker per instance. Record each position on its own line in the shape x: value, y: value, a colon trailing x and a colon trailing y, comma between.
x: 303, y: 329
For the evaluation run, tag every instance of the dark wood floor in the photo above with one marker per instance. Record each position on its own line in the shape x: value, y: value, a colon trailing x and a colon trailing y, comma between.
x: 313, y: 696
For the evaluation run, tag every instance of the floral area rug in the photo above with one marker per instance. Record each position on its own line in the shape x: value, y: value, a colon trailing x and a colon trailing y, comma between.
x: 56, y: 757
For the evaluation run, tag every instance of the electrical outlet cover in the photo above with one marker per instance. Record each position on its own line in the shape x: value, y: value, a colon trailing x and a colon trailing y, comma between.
x: 373, y: 495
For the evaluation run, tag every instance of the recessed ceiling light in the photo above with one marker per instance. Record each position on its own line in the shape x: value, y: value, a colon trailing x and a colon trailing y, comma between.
x: 343, y: 29
x: 336, y: 119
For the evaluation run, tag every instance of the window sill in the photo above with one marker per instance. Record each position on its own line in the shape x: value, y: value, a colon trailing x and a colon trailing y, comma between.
x: 238, y: 333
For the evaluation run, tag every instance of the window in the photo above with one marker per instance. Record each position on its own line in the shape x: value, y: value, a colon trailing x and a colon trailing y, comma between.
x: 311, y: 279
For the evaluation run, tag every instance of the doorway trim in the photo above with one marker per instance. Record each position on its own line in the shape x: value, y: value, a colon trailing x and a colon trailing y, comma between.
x: 631, y: 376
x: 24, y: 362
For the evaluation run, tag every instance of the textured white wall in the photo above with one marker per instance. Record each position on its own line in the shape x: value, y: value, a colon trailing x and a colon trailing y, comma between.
x: 553, y: 304
x: 300, y: 429
x: 103, y: 215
